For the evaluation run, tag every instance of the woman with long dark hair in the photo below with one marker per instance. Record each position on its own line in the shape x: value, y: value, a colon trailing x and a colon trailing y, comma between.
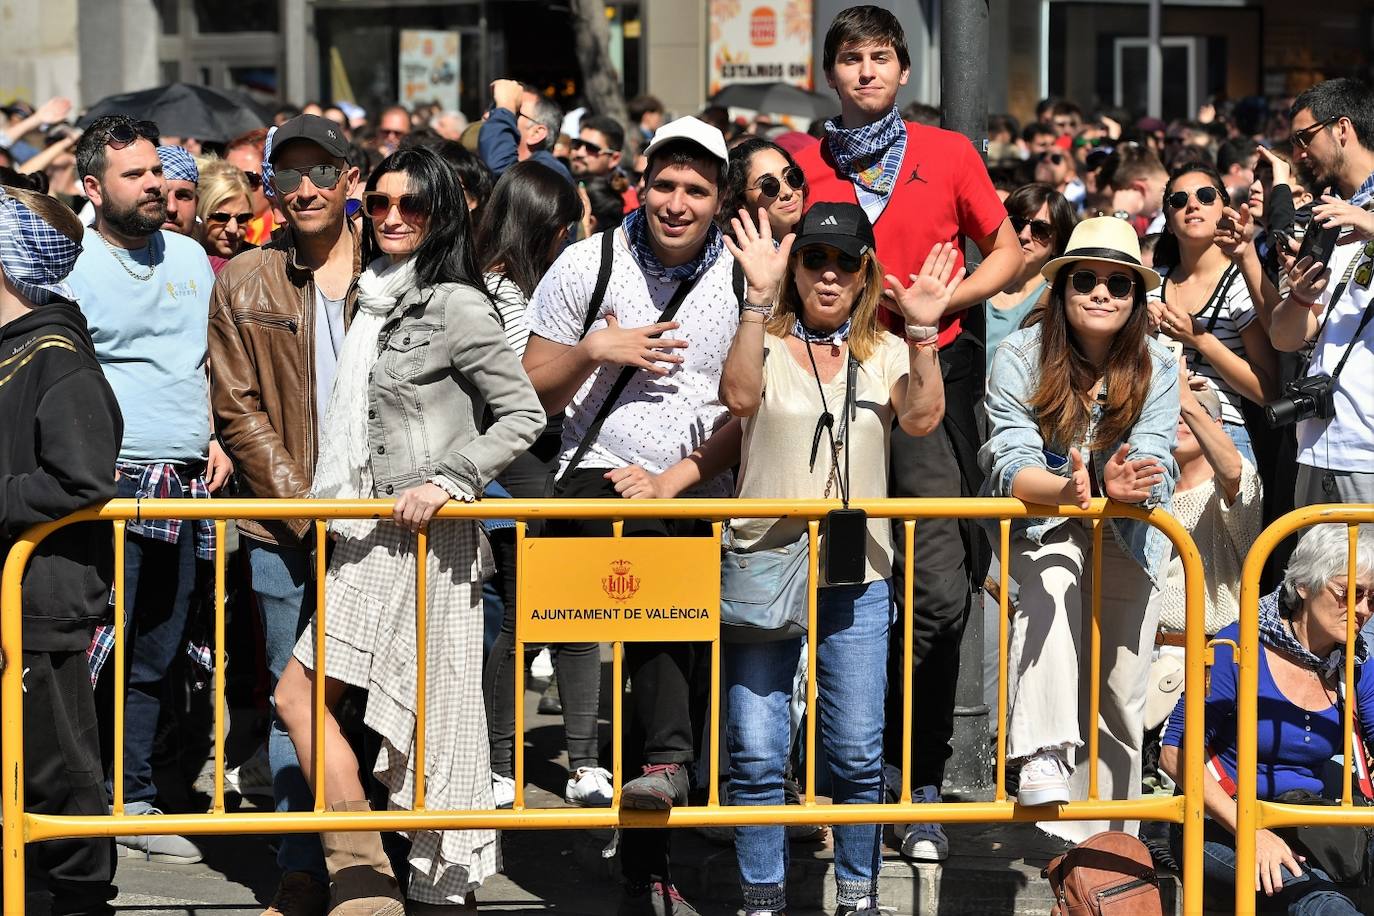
x: 1043, y: 219
x: 424, y: 361
x: 1205, y: 301
x: 526, y: 224
x: 1082, y: 403
x: 764, y: 175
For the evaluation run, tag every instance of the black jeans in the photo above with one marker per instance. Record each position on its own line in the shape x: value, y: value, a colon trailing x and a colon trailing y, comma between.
x: 952, y: 556
x: 666, y: 678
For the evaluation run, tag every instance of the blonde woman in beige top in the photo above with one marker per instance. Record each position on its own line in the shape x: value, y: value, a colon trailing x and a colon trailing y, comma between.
x: 812, y: 304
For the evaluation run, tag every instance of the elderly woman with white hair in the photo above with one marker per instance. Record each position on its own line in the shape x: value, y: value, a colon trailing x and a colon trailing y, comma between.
x: 1302, y: 627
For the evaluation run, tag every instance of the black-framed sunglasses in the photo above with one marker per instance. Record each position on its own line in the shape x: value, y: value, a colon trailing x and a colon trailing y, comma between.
x: 220, y: 216
x: 254, y: 179
x: 121, y: 135
x: 1053, y: 158
x: 1301, y: 138
x: 1041, y: 230
x: 591, y: 148
x: 1206, y: 195
x: 816, y: 257
x: 325, y: 177
x: 1119, y: 286
x: 770, y: 186
x: 412, y: 207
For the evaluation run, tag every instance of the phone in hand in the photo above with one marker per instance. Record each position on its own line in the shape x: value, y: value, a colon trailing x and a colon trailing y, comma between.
x: 1225, y: 224
x: 1319, y: 242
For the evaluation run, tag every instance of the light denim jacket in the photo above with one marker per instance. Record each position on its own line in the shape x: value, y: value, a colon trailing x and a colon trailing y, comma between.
x: 1014, y: 442
x: 443, y: 361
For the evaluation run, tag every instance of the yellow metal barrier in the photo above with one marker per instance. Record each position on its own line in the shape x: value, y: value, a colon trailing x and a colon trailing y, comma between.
x: 1252, y: 814
x: 21, y: 827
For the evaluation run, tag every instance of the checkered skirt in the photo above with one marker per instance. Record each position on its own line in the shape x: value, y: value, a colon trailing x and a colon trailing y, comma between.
x: 370, y: 643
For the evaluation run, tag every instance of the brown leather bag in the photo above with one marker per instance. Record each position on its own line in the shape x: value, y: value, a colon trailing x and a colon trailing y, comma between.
x: 1108, y: 874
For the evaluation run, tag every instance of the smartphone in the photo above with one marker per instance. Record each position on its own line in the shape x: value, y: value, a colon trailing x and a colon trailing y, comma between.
x: 846, y: 544
x: 1225, y: 224
x: 1319, y: 242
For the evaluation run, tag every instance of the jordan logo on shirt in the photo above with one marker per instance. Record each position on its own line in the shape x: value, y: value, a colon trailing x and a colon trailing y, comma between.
x: 915, y: 175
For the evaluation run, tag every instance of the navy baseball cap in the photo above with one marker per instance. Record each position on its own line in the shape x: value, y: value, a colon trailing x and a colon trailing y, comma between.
x: 841, y: 226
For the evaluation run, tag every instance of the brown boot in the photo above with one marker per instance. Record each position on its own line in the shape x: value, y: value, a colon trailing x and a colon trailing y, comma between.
x: 360, y: 876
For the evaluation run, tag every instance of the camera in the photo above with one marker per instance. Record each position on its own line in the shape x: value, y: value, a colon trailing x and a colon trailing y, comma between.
x: 1303, y: 399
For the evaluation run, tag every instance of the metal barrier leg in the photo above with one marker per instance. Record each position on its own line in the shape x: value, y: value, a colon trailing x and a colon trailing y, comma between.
x: 317, y: 700
x: 217, y: 805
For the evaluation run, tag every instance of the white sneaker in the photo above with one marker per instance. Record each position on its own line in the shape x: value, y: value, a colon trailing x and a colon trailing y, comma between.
x: 1044, y: 780
x: 542, y: 666
x: 589, y: 787
x: 502, y: 790
x: 252, y: 778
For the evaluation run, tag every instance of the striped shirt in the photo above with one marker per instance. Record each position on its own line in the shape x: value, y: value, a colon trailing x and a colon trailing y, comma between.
x: 510, y: 306
x: 1228, y: 311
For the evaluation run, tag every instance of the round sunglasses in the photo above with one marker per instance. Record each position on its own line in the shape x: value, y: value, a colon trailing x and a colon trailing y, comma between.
x: 412, y: 207
x: 325, y: 177
x: 1119, y: 286
x: 1041, y: 230
x: 770, y: 186
x: 815, y: 257
x: 1206, y: 195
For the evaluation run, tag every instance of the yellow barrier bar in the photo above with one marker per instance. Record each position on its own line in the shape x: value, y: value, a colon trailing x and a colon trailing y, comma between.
x: 813, y: 580
x: 519, y: 665
x: 617, y: 748
x: 421, y: 664
x: 120, y: 695
x: 1095, y: 664
x: 908, y: 655
x: 717, y: 674
x: 15, y: 825
x: 1003, y: 623
x: 317, y: 695
x: 217, y: 803
x: 1347, y: 719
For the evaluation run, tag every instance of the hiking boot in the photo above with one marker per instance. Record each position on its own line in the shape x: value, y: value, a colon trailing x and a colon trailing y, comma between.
x: 166, y: 849
x: 662, y: 786
x: 298, y: 894
x: 589, y: 787
x: 925, y: 842
x: 657, y: 898
x: 1044, y: 780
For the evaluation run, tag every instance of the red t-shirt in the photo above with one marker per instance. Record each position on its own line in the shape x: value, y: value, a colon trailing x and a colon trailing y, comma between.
x: 943, y: 194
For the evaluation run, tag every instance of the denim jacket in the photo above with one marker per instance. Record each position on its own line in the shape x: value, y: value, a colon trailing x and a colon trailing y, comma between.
x: 1014, y: 442
x: 443, y: 362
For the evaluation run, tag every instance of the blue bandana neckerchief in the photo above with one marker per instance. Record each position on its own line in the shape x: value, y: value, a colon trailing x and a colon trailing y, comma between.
x: 1275, y: 632
x: 871, y: 155
x: 835, y: 338
x: 1365, y: 194
x: 637, y: 231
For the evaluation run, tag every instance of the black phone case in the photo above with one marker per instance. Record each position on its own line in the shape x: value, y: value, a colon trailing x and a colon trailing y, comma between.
x: 1319, y: 243
x: 846, y: 542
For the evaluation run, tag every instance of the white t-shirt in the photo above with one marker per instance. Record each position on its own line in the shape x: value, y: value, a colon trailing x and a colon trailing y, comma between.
x: 658, y: 420
x: 776, y: 453
x: 1345, y: 443
x: 1233, y: 313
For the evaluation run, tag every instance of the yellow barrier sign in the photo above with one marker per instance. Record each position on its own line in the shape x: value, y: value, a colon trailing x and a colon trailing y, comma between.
x: 609, y: 589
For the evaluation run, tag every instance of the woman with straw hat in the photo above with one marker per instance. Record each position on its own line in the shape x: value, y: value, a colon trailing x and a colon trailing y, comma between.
x: 1081, y: 404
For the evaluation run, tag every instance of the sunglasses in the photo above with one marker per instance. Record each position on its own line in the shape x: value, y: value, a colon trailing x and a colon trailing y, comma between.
x: 254, y: 180
x: 1119, y: 286
x: 770, y: 186
x: 1361, y: 594
x: 816, y: 257
x: 121, y: 135
x: 412, y: 207
x: 1052, y: 158
x: 219, y: 216
x: 1040, y: 229
x: 1308, y: 134
x: 324, y: 177
x: 591, y: 148
x: 1206, y: 195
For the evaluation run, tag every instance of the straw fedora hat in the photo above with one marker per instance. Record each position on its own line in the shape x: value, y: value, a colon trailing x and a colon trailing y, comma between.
x: 1104, y: 238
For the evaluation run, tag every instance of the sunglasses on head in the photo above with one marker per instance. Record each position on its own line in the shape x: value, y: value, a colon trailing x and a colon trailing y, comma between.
x: 220, y: 216
x: 770, y: 186
x: 1119, y: 286
x: 591, y: 148
x: 1206, y: 195
x: 411, y: 206
x: 254, y: 180
x: 816, y: 257
x: 121, y: 135
x: 1040, y: 229
x: 324, y: 177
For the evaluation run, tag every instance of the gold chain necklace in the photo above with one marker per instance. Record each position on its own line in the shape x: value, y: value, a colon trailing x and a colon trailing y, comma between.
x: 120, y: 261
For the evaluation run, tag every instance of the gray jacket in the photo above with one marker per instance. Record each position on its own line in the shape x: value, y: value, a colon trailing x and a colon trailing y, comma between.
x: 443, y: 363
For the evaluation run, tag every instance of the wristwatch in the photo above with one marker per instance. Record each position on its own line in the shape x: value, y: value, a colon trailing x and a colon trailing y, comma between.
x: 921, y: 332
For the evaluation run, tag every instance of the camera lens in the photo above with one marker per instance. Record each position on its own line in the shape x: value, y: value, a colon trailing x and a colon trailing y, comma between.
x: 1287, y: 410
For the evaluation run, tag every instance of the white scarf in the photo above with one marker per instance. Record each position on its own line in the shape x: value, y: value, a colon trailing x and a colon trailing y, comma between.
x: 344, y: 469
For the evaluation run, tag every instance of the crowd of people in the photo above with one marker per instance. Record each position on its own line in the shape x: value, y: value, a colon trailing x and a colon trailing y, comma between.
x: 421, y: 309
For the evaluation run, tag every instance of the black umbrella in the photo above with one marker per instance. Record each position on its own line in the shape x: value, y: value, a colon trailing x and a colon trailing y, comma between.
x: 183, y: 110
x: 777, y: 99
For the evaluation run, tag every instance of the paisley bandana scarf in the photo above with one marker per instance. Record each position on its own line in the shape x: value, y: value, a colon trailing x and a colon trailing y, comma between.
x: 871, y: 155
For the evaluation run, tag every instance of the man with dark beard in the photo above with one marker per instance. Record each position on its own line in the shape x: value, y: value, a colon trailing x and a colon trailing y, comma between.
x: 146, y: 296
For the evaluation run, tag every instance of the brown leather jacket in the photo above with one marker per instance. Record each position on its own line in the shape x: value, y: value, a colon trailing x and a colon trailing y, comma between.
x: 262, y: 374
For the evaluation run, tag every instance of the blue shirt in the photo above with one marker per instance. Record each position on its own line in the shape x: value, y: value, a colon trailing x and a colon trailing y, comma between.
x: 1293, y: 743
x: 150, y: 336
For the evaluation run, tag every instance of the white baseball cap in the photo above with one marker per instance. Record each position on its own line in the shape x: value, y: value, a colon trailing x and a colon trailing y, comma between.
x: 696, y: 131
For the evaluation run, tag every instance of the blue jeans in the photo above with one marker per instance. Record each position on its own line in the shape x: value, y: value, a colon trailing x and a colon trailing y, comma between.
x: 159, y: 579
x: 1311, y: 893
x: 284, y: 589
x: 1240, y: 438
x: 851, y: 686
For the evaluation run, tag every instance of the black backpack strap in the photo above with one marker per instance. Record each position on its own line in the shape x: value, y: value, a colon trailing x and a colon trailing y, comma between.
x: 1219, y: 295
x: 603, y: 279
x: 737, y: 283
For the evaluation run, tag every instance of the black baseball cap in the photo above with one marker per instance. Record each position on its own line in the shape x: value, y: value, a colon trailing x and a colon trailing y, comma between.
x: 841, y: 226
x: 322, y: 132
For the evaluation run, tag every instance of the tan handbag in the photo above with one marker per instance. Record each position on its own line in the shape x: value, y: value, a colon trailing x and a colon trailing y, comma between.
x: 1108, y: 874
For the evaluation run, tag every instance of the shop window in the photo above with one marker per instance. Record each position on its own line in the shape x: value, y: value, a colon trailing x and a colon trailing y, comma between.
x: 216, y: 16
